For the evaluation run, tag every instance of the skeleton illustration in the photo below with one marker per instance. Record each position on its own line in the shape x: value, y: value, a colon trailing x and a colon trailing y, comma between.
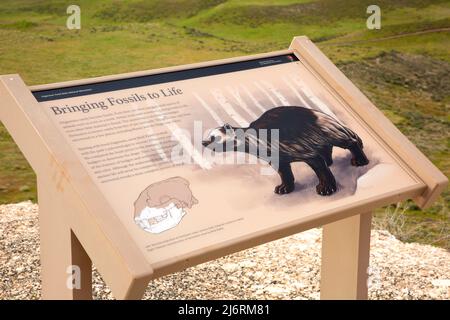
x: 161, y: 206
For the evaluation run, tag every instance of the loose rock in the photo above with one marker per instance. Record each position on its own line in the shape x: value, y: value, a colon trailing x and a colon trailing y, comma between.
x: 284, y: 269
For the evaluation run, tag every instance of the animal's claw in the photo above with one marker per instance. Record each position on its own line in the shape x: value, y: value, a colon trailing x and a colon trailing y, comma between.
x: 284, y: 188
x: 326, y: 189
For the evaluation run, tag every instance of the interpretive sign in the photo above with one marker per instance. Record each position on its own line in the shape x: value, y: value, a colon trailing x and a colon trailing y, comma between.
x: 157, y: 171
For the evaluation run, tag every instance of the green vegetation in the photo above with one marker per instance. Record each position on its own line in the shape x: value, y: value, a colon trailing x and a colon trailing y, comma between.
x: 404, y: 67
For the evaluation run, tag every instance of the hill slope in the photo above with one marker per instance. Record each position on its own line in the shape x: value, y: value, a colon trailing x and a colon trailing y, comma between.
x: 403, y: 67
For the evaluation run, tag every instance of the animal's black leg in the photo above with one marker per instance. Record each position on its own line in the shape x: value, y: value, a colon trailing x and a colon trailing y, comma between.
x: 327, y: 183
x: 359, y: 158
x: 327, y: 154
x: 287, y: 179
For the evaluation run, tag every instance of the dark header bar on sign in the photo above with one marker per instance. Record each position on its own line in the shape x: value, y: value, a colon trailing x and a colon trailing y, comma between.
x: 121, y: 84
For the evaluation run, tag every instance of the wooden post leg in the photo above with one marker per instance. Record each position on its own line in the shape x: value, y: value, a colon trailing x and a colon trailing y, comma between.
x: 345, y: 258
x: 66, y: 270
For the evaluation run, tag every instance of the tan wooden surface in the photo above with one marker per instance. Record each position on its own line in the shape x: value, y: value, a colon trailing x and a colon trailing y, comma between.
x: 59, y: 250
x: 345, y: 258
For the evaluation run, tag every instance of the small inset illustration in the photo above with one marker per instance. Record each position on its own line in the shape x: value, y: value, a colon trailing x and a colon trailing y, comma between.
x: 161, y: 206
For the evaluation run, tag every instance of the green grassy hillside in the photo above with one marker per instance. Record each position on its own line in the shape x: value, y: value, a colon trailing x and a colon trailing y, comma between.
x: 404, y: 67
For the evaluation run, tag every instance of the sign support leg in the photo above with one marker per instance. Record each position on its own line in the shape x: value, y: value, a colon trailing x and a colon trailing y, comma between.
x: 345, y: 258
x: 66, y: 270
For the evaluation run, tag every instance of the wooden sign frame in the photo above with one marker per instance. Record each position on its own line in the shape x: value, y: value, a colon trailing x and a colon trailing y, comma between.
x: 77, y: 227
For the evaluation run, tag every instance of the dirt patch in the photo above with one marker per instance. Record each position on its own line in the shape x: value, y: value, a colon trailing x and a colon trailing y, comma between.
x: 144, y: 11
x: 322, y: 12
x: 413, y: 72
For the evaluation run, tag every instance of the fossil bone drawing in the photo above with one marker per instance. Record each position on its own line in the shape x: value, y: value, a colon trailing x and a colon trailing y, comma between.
x: 162, y: 205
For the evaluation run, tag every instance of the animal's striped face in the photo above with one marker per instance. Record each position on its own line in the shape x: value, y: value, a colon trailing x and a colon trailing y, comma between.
x: 220, y: 136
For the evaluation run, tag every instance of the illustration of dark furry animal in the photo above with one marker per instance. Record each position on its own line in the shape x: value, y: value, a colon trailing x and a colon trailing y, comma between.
x: 304, y: 135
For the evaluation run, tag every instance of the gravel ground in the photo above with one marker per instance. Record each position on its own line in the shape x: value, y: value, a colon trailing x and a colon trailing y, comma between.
x: 285, y: 269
